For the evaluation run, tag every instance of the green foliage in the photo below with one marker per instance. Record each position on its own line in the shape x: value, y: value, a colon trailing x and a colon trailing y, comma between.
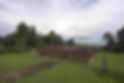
x: 2, y: 49
x: 53, y: 39
x: 9, y: 40
x: 20, y: 45
x: 22, y: 40
x: 17, y: 42
x: 39, y: 42
x: 120, y: 43
x: 32, y: 38
x: 110, y: 41
x: 22, y: 30
x: 70, y: 42
x: 111, y: 44
x: 121, y: 36
x: 1, y: 40
x: 26, y: 38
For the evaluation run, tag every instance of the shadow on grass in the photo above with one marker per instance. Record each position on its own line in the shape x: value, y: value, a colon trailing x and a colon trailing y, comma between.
x: 118, y: 76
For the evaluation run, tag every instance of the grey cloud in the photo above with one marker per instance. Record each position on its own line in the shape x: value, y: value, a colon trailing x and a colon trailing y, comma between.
x: 114, y: 9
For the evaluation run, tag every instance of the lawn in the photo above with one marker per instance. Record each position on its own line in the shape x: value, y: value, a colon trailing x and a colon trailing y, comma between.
x: 13, y: 61
x: 76, y: 72
x: 67, y: 71
x: 115, y: 61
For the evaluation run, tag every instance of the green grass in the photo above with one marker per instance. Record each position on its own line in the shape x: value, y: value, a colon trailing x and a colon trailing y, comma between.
x: 11, y: 62
x: 115, y: 61
x: 75, y: 72
x: 67, y: 71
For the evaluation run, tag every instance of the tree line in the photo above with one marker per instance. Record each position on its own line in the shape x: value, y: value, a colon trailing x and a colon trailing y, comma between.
x: 115, y: 43
x: 26, y: 38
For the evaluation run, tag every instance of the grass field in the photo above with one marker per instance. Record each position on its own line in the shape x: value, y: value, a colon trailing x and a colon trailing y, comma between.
x: 68, y: 71
x: 11, y: 62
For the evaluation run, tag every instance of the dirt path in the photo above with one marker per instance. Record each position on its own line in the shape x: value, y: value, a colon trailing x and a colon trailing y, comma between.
x: 18, y: 75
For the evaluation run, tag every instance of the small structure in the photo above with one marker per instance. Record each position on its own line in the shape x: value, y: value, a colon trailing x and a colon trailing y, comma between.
x: 105, y: 65
x: 80, y: 54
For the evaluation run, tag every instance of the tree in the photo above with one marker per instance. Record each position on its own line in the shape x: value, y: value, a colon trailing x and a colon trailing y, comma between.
x: 39, y: 42
x: 32, y: 38
x: 53, y: 38
x: 70, y: 42
x: 120, y: 43
x: 110, y: 41
x: 1, y: 45
x: 22, y: 37
x: 22, y: 30
x: 9, y: 40
x: 1, y: 40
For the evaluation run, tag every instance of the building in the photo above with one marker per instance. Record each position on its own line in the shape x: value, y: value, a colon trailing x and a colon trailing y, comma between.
x: 73, y: 53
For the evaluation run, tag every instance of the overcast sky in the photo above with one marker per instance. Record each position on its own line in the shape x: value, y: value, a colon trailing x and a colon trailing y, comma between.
x: 84, y: 20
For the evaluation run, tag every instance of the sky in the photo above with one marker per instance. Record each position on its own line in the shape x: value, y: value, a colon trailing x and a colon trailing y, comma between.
x: 84, y: 20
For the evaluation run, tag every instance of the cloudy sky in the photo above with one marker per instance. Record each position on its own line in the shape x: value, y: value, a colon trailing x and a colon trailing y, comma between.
x: 84, y: 20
